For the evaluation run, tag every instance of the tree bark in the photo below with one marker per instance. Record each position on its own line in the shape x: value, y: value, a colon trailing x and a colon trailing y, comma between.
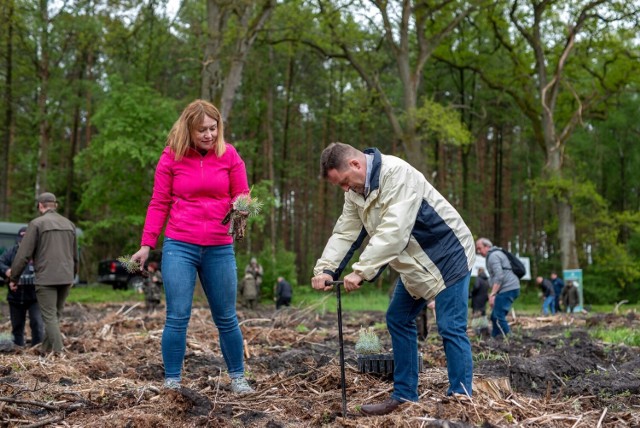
x: 269, y: 159
x: 43, y: 94
x: 218, y: 87
x: 5, y: 159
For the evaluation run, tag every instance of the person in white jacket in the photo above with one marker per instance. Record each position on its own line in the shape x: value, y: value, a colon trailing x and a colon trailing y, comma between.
x: 413, y: 229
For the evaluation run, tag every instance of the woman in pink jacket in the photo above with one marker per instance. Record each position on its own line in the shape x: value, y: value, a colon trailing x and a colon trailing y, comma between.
x: 197, y: 178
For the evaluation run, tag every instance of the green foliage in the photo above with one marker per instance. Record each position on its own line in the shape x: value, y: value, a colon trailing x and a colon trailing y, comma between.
x: 617, y: 335
x: 615, y: 272
x: 301, y: 328
x: 261, y: 191
x: 101, y: 293
x: 442, y: 123
x: 367, y: 298
x: 118, y: 167
x: 615, y: 267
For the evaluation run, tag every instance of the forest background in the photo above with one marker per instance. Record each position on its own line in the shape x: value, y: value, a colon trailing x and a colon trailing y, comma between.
x: 523, y: 114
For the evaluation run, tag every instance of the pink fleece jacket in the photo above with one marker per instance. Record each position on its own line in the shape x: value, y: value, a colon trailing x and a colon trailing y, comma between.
x: 195, y: 193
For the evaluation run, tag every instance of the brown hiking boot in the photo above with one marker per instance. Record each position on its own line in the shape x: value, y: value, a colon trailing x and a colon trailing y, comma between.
x: 386, y: 407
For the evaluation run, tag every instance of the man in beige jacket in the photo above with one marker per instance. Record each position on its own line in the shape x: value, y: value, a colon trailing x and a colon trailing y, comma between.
x: 417, y: 232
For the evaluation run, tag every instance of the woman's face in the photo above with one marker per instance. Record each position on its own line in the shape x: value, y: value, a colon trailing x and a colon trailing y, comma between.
x: 205, y: 135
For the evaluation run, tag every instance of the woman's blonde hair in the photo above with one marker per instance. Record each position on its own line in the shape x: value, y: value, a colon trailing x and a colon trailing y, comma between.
x: 179, y: 139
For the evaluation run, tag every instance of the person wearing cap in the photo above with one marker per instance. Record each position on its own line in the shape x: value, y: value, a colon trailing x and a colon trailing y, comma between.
x: 414, y: 230
x: 50, y: 241
x: 22, y: 301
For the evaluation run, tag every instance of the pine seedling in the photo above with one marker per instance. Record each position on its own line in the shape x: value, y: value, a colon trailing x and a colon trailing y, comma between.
x: 368, y: 342
x: 248, y: 204
x: 129, y: 265
x: 479, y: 322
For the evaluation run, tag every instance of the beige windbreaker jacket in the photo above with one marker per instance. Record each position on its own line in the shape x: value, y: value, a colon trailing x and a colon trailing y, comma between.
x: 411, y: 227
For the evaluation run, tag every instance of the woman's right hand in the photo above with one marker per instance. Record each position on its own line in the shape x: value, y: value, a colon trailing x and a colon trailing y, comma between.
x: 141, y: 256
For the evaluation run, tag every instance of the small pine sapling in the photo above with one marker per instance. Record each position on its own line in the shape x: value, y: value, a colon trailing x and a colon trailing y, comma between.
x: 245, y: 203
x: 244, y: 206
x: 129, y: 265
x: 368, y: 342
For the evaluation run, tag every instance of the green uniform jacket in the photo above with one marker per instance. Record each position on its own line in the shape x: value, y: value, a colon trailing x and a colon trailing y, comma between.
x: 51, y: 242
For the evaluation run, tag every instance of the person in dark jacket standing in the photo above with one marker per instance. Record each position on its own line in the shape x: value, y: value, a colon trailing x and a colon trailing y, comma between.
x: 548, y: 294
x: 50, y: 241
x: 480, y: 293
x: 558, y: 285
x: 22, y: 301
x: 284, y: 292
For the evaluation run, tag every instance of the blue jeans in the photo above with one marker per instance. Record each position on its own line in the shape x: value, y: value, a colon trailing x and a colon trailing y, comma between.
x: 216, y: 267
x: 452, y: 307
x: 549, y: 305
x: 501, y: 306
x: 401, y: 316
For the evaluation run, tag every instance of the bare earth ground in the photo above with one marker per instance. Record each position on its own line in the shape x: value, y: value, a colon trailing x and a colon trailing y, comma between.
x: 549, y: 374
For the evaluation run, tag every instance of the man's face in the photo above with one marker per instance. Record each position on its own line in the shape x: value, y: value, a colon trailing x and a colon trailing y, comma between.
x: 351, y: 178
x: 481, y: 249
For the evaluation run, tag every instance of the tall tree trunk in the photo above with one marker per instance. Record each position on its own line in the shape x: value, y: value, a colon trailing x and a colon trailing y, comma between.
x: 75, y: 138
x: 218, y: 87
x: 284, y: 155
x: 88, y: 99
x: 43, y: 76
x: 5, y: 155
x: 497, y: 188
x: 269, y: 158
x: 566, y: 220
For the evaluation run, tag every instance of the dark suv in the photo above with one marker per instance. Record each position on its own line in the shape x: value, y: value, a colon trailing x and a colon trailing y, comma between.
x: 112, y: 272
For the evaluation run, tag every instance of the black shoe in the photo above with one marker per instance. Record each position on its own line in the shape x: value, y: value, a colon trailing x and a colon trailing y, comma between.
x: 386, y: 407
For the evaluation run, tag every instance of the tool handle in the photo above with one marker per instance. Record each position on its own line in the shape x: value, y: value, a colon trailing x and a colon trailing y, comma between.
x: 329, y: 283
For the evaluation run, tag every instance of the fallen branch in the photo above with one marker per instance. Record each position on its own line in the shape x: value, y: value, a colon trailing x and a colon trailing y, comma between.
x: 604, y: 412
x: 44, y: 422
x: 254, y: 320
x: 31, y: 403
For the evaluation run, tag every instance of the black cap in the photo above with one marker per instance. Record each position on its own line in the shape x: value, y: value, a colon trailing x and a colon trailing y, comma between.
x: 21, y: 233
